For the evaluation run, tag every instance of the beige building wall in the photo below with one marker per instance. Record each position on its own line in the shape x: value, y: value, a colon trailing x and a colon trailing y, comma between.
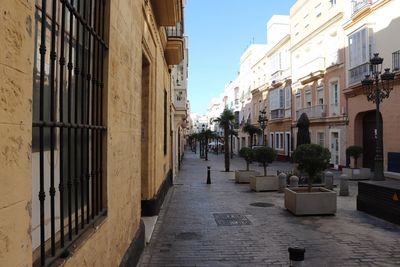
x: 318, y: 73
x: 131, y: 31
x: 16, y: 64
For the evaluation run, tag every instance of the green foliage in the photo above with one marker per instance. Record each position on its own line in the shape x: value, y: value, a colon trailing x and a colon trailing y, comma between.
x: 264, y: 155
x: 355, y: 152
x: 312, y: 159
x: 251, y: 129
x: 246, y: 153
x: 226, y: 118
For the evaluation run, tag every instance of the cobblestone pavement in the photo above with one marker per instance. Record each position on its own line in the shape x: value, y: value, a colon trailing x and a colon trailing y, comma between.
x: 187, y: 234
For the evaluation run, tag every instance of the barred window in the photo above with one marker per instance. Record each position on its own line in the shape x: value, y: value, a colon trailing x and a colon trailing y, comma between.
x: 67, y: 129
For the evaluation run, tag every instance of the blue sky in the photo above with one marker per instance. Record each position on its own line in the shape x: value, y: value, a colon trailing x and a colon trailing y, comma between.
x: 219, y: 32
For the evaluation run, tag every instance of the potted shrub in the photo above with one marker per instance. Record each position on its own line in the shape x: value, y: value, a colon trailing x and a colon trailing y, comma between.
x: 264, y: 155
x: 311, y: 159
x: 243, y: 176
x: 356, y: 173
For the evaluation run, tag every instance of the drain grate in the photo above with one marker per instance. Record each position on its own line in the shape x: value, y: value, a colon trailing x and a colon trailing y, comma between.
x: 262, y: 204
x: 231, y: 219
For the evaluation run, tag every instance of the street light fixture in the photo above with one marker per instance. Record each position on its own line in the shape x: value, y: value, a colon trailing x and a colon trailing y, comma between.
x: 376, y: 93
x: 262, y: 119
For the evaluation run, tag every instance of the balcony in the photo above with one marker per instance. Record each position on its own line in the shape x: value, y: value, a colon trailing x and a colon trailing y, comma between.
x: 167, y: 12
x: 174, y: 51
x: 276, y: 76
x: 396, y: 61
x: 358, y: 73
x: 277, y: 114
x: 313, y: 112
x: 357, y: 5
x: 180, y: 99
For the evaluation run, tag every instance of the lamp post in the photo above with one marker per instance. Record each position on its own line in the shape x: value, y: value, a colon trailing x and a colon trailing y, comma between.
x: 376, y: 87
x: 262, y: 119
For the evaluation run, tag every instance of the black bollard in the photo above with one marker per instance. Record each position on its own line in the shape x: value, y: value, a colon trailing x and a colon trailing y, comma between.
x: 208, y: 175
x: 296, y: 256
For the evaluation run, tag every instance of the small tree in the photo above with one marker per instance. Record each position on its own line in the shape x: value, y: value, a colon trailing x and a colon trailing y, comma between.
x: 355, y: 152
x: 264, y: 155
x: 312, y: 159
x: 251, y: 130
x: 247, y: 154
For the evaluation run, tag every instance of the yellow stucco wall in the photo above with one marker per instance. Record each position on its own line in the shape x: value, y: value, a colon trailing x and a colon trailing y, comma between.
x: 128, y: 38
x: 16, y: 60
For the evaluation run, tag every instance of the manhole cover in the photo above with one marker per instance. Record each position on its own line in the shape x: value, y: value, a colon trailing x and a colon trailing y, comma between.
x: 262, y: 204
x: 231, y: 219
x: 188, y: 236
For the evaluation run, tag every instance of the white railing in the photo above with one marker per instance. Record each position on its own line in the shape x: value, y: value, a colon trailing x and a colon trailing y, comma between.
x: 313, y: 112
x: 277, y: 114
x: 358, y: 5
x: 358, y: 73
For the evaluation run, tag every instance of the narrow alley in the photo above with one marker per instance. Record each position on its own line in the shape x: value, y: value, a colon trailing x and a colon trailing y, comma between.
x: 187, y: 232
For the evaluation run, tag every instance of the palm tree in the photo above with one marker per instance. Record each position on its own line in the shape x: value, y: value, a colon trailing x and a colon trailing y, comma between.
x: 225, y: 120
x: 206, y: 136
x: 251, y: 130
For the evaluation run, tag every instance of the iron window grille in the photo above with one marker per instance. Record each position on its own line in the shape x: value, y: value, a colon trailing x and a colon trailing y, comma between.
x: 68, y: 128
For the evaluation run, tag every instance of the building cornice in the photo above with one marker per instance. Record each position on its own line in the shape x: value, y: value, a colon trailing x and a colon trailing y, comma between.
x: 317, y: 31
x: 279, y: 45
x: 364, y: 12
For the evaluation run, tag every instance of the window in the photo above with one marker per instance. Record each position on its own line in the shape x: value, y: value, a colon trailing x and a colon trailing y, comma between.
x: 332, y: 2
x: 307, y: 99
x: 320, y: 95
x: 67, y: 127
x: 288, y: 96
x: 279, y: 141
x: 359, y: 54
x: 334, y: 98
x: 298, y: 101
x: 321, y: 139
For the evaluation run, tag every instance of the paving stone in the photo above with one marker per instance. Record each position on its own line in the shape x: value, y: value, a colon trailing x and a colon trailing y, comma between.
x: 186, y: 233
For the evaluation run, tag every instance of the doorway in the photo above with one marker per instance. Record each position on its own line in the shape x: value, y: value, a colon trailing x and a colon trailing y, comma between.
x: 369, y: 139
x: 335, y: 148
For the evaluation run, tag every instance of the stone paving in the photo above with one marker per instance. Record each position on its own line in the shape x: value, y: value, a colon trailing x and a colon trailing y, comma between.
x: 187, y: 234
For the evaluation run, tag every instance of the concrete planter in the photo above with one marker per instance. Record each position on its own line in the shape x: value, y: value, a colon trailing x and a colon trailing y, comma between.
x: 243, y: 176
x: 358, y: 173
x: 264, y: 183
x: 317, y: 202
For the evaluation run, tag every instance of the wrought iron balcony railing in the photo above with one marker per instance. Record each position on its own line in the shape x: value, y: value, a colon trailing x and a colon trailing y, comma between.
x: 313, y: 112
x: 175, y: 31
x: 396, y: 61
x: 277, y: 114
x: 359, y: 4
x: 358, y: 73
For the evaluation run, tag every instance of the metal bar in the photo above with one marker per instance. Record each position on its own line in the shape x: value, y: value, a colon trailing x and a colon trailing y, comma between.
x: 88, y: 77
x: 82, y: 130
x: 101, y: 109
x: 94, y: 80
x: 42, y: 194
x: 62, y: 67
x: 70, y: 74
x: 98, y: 109
x: 92, y: 30
x: 66, y: 125
x: 53, y: 57
x: 76, y: 108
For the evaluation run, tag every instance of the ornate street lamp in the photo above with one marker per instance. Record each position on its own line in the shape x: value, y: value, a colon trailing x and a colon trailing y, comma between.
x: 377, y: 87
x: 262, y: 119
